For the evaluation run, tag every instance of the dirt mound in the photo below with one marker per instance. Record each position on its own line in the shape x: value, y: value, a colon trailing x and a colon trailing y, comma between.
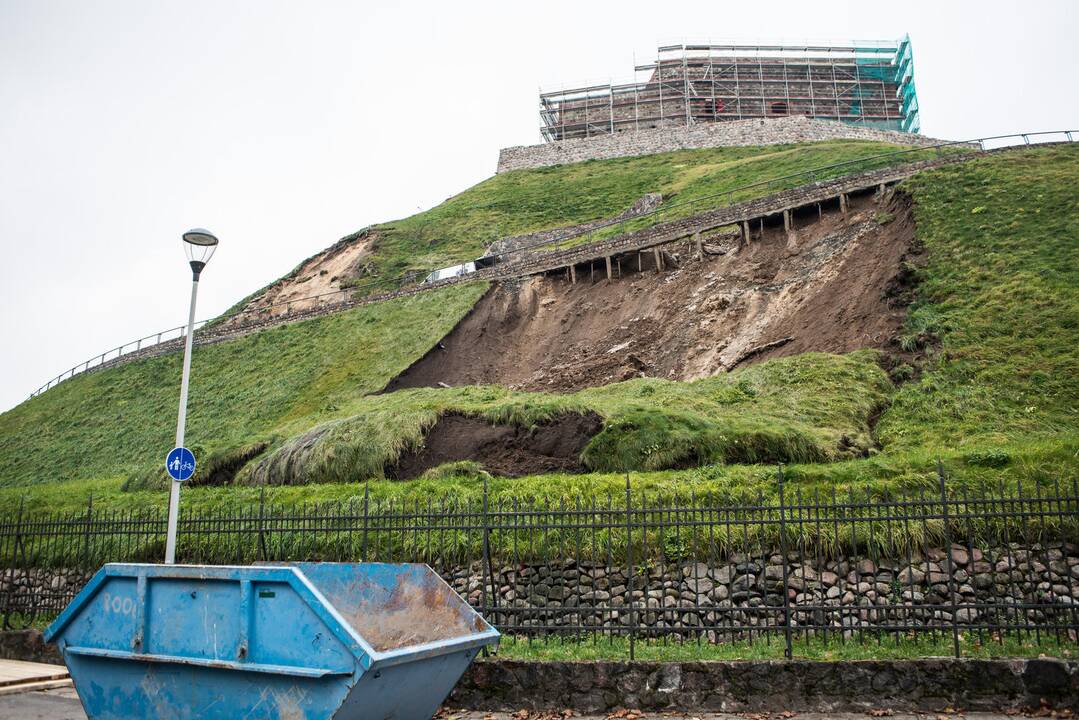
x: 508, y: 450
x: 834, y: 284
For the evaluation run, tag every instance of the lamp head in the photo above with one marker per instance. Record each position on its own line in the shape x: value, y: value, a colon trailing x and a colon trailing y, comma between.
x: 199, y: 243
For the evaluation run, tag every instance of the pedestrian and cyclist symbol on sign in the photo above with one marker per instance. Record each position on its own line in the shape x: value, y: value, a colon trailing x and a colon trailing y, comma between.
x: 180, y: 463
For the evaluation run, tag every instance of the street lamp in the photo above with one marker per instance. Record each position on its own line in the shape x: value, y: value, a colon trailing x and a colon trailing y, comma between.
x: 199, y: 245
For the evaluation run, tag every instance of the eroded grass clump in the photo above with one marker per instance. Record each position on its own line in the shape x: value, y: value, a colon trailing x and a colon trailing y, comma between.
x: 810, y: 408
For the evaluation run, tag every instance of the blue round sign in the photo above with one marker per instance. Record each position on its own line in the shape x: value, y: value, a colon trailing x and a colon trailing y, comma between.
x: 180, y: 463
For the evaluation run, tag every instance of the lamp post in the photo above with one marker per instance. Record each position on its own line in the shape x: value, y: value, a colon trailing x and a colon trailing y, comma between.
x: 199, y: 244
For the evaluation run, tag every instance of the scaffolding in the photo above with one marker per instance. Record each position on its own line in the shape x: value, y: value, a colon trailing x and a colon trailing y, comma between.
x: 870, y: 84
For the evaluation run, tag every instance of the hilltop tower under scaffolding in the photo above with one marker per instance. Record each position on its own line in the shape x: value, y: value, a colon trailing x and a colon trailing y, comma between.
x: 870, y: 84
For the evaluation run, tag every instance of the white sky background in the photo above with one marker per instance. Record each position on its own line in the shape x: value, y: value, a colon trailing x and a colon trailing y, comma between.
x: 283, y: 126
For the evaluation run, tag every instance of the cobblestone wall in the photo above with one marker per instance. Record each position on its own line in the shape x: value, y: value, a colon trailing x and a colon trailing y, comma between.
x: 770, y: 131
x: 999, y: 586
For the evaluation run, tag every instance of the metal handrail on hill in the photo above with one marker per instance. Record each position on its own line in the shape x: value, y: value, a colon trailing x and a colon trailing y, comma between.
x: 162, y: 336
x: 977, y: 146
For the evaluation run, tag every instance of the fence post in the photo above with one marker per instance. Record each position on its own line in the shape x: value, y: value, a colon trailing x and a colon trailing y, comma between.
x: 788, y: 650
x: 488, y: 570
x: 948, y: 557
x: 86, y: 533
x: 629, y: 575
x: 363, y: 542
x: 486, y: 562
x: 262, y: 537
x: 15, y: 548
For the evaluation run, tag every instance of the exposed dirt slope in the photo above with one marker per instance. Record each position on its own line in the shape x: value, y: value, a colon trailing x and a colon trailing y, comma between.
x: 553, y: 446
x: 317, y: 280
x: 835, y: 284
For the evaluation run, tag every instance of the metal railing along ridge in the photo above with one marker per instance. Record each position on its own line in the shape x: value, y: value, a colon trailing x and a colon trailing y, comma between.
x: 163, y: 336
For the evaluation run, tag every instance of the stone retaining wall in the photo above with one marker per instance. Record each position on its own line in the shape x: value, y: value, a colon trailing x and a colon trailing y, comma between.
x: 28, y: 645
x: 517, y: 244
x: 988, y: 587
x: 763, y: 131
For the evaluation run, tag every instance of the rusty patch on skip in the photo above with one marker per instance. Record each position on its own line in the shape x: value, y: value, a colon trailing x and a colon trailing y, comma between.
x: 417, y: 611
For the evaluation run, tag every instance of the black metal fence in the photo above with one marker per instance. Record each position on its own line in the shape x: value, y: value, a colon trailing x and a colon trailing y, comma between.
x: 858, y: 565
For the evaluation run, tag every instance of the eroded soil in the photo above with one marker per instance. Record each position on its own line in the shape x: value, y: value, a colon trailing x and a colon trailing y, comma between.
x: 506, y: 450
x: 835, y: 284
x: 317, y: 281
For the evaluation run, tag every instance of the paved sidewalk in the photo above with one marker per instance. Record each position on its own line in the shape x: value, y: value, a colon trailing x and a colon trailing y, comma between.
x: 63, y: 704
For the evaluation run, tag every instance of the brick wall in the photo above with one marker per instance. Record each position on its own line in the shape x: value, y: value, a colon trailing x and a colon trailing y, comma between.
x: 771, y: 131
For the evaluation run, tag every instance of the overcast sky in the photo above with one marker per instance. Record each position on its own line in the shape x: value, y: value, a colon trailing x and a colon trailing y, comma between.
x: 283, y: 126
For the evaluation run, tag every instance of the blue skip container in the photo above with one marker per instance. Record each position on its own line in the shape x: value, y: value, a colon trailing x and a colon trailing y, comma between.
x: 349, y: 641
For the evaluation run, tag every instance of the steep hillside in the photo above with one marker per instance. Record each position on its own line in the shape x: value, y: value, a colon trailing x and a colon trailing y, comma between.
x: 530, y: 201
x: 982, y: 370
x: 1000, y: 298
x: 837, y: 284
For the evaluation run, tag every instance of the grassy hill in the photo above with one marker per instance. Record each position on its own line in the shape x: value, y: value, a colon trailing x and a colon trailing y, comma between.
x: 526, y: 201
x: 998, y: 399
